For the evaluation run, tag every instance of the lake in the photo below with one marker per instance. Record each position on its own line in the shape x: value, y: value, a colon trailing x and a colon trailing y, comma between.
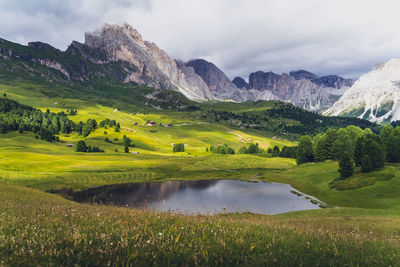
x: 201, y: 197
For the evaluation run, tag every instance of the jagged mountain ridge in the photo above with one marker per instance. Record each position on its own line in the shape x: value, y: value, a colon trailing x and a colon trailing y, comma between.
x: 118, y: 53
x: 375, y: 96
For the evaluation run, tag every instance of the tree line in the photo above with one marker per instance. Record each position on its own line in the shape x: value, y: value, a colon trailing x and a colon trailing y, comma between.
x: 352, y: 147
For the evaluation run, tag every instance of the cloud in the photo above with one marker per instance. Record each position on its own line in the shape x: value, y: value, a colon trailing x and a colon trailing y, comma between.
x: 240, y: 36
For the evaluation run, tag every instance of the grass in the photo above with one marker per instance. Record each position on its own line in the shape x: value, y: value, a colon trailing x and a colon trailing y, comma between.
x: 37, y: 228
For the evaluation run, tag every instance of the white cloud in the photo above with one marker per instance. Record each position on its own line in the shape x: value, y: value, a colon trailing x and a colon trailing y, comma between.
x: 240, y: 36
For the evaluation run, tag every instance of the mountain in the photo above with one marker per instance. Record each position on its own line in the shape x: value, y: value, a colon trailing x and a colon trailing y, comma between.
x: 153, y: 65
x: 118, y: 55
x: 374, y: 96
x: 302, y: 88
x: 241, y: 83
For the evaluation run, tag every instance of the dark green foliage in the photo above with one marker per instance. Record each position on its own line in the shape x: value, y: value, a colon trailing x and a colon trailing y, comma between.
x: 117, y: 129
x: 128, y: 142
x: 304, y: 150
x: 126, y: 149
x: 375, y: 152
x: 346, y: 165
x: 324, y: 146
x: 372, y: 146
x: 107, y: 140
x: 366, y: 164
x: 244, y: 150
x: 225, y: 149
x: 88, y: 127
x: 393, y: 149
x: 81, y: 146
x: 275, y: 151
x: 284, y: 119
x: 108, y: 122
x: 253, y: 149
x: 178, y: 148
x: 288, y: 152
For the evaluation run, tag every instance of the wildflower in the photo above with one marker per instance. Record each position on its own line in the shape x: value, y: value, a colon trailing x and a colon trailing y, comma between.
x: 160, y: 234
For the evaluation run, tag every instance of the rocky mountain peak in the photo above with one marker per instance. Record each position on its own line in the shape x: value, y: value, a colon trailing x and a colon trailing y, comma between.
x: 303, y: 74
x: 374, y: 96
x: 241, y: 83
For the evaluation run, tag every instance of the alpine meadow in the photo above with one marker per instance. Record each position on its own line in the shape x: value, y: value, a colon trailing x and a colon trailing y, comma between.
x: 113, y: 152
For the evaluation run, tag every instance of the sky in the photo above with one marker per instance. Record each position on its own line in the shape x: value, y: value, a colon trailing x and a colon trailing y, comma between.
x: 343, y: 37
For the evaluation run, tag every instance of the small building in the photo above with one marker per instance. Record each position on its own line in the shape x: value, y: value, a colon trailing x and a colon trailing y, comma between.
x: 70, y: 145
x: 169, y: 125
x: 250, y: 139
x: 151, y: 123
x: 135, y: 123
x: 242, y: 140
x: 116, y: 110
x: 135, y: 152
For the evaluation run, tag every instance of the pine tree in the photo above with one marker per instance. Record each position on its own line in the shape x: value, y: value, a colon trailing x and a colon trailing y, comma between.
x: 126, y: 149
x: 81, y: 146
x: 346, y: 165
x: 275, y: 151
x: 358, y: 151
x: 366, y: 164
x: 304, y: 150
x: 393, y: 149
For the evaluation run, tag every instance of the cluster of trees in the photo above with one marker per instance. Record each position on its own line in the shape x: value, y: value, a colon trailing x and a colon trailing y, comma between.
x: 352, y: 147
x: 82, y: 147
x: 286, y: 119
x: 252, y: 149
x: 178, y: 148
x: 108, y: 123
x: 17, y: 117
x: 224, y: 149
x: 286, y: 152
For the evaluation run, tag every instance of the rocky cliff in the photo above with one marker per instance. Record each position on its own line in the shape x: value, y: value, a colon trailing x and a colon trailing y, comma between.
x: 119, y: 54
x: 154, y: 67
x: 374, y: 96
x: 301, y: 88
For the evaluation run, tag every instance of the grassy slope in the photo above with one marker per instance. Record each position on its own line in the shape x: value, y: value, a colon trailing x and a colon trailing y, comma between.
x: 39, y: 228
x: 366, y: 233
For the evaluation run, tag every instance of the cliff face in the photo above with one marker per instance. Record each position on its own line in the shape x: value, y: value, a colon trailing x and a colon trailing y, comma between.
x: 119, y: 54
x: 154, y: 67
x: 375, y: 96
x: 241, y: 83
x: 302, y: 88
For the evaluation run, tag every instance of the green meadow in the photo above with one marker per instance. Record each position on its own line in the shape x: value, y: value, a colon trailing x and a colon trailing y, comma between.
x: 361, y: 227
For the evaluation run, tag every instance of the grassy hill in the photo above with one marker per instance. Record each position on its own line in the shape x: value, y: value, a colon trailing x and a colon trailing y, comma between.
x: 38, y: 228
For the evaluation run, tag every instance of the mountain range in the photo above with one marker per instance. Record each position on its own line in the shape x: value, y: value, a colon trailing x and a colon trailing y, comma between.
x: 119, y: 53
x: 374, y: 96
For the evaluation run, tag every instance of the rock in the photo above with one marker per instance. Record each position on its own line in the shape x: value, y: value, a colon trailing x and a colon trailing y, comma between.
x: 241, y: 83
x: 153, y: 65
x: 374, y: 96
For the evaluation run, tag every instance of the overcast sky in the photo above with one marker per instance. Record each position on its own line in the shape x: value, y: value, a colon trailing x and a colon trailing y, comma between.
x: 345, y: 37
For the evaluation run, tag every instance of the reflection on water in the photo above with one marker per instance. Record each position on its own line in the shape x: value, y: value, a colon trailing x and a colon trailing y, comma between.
x: 200, y: 197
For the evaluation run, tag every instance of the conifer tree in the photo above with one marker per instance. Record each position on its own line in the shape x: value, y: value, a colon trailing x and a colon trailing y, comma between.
x: 366, y: 164
x: 346, y: 165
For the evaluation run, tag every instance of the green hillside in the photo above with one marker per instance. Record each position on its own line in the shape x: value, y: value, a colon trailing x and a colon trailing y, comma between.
x: 360, y: 227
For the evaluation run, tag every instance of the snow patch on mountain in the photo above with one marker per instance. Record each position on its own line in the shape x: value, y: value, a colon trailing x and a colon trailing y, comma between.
x: 374, y: 96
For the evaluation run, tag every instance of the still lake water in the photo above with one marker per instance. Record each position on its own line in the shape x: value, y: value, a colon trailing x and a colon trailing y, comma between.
x: 200, y: 197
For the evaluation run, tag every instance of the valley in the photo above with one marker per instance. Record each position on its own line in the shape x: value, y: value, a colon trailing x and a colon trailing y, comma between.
x: 117, y: 112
